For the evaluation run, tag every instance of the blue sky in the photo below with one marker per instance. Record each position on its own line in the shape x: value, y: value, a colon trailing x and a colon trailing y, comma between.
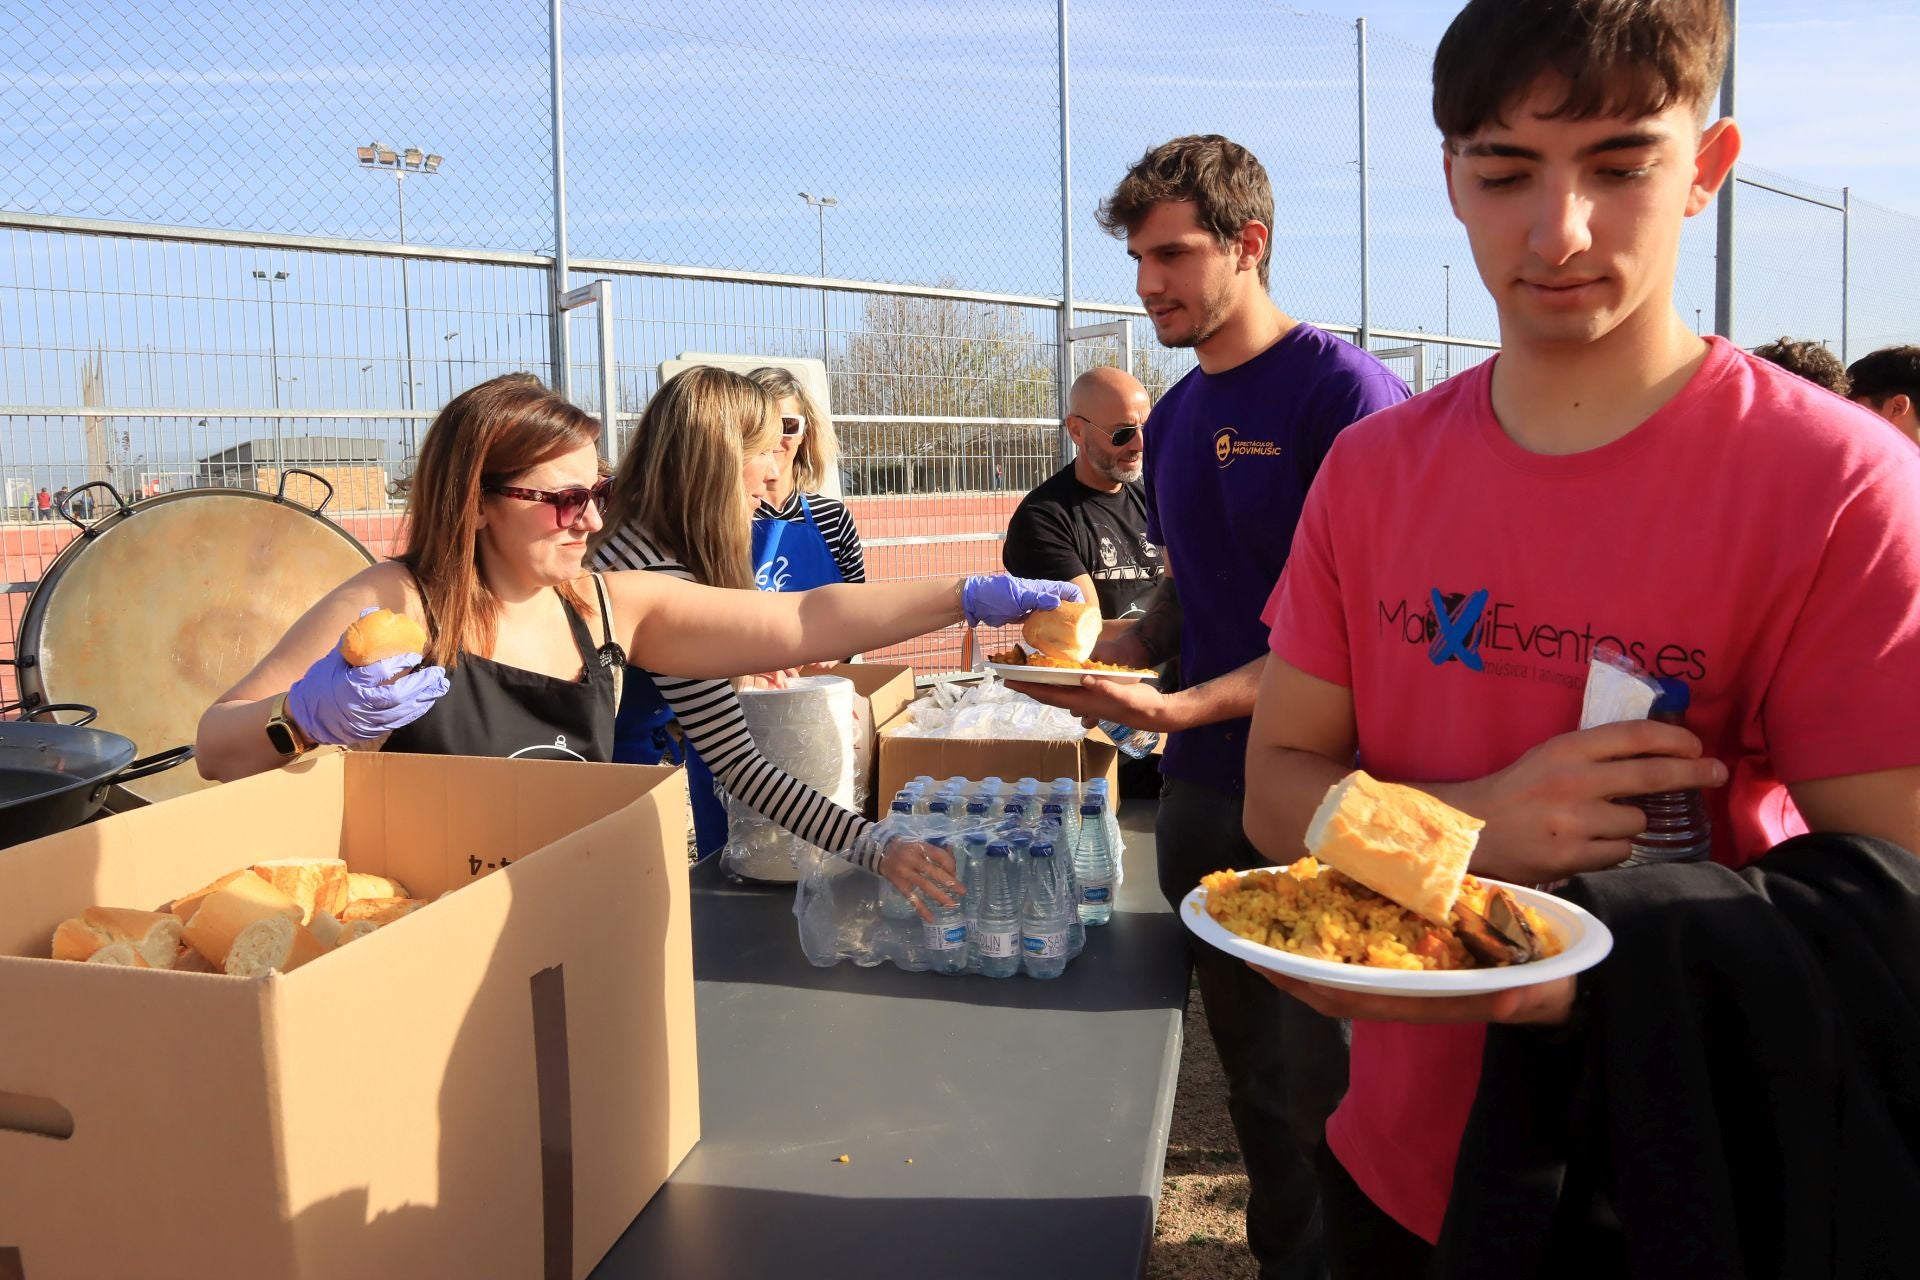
x: 693, y: 124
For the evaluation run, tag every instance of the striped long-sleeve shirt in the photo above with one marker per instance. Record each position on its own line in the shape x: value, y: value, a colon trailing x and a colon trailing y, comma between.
x: 710, y: 716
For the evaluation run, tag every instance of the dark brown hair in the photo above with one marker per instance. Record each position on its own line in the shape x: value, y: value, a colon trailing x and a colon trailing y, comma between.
x: 1226, y: 183
x: 1627, y: 58
x: 1881, y: 375
x: 487, y: 434
x: 1810, y: 359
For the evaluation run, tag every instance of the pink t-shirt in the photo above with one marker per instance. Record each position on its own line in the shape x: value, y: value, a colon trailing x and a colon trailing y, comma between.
x: 1757, y: 537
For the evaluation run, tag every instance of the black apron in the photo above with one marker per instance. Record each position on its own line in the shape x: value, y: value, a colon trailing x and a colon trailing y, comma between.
x: 491, y: 709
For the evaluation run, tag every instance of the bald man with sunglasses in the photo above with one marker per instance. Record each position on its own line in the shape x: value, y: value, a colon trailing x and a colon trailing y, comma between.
x: 1088, y: 521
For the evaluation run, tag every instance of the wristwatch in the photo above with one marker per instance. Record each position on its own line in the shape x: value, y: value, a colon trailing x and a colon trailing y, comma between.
x: 284, y: 734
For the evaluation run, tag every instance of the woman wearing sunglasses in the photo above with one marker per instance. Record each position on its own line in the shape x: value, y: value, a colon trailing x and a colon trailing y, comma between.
x: 801, y: 537
x: 523, y: 643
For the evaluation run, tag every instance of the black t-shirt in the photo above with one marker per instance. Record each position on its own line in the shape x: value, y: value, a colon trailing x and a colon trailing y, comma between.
x: 1064, y: 529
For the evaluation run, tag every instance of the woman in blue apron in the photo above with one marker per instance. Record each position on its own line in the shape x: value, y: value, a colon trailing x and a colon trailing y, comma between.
x: 522, y: 643
x: 801, y: 538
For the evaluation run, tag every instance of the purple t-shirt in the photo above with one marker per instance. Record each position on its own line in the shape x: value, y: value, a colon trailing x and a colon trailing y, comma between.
x: 1229, y: 459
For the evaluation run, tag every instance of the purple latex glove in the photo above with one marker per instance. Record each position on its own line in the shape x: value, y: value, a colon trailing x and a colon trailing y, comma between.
x: 340, y: 704
x: 997, y: 599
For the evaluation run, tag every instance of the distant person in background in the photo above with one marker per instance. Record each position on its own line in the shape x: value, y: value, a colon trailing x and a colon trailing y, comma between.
x: 1888, y: 382
x: 44, y: 501
x: 999, y: 477
x: 60, y: 499
x: 1811, y: 360
x: 801, y: 538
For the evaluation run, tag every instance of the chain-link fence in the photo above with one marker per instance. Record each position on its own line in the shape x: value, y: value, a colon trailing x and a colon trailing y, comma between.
x: 220, y: 256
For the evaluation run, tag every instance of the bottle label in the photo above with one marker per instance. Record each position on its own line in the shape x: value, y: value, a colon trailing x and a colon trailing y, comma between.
x: 1045, y: 946
x: 997, y: 944
x: 1095, y: 891
x: 946, y: 937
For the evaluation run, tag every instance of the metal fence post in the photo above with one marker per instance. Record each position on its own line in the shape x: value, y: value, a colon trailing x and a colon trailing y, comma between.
x: 1066, y: 247
x: 1846, y: 265
x: 1366, y: 292
x: 562, y: 353
x: 1723, y: 236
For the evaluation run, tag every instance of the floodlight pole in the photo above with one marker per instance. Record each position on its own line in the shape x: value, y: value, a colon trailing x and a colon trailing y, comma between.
x: 557, y: 75
x: 1065, y: 376
x: 1723, y: 228
x: 1366, y: 291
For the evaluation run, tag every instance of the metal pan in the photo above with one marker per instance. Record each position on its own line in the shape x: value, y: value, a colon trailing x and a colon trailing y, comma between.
x: 161, y: 605
x: 54, y: 776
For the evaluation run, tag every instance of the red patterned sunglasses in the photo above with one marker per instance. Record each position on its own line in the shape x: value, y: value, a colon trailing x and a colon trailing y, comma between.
x: 568, y: 504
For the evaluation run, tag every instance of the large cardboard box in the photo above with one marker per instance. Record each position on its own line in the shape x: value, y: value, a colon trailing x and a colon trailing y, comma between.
x: 903, y: 759
x: 492, y: 1086
x: 881, y: 692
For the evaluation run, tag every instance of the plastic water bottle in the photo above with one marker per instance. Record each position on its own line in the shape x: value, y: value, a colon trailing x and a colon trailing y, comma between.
x: 1093, y: 866
x: 945, y: 936
x: 975, y: 832
x: 1678, y: 827
x: 1044, y: 916
x: 1110, y: 816
x: 1137, y: 743
x: 1066, y: 794
x: 996, y: 929
x: 893, y: 903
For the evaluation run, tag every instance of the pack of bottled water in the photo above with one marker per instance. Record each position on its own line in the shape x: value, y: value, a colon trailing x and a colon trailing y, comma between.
x: 1040, y: 863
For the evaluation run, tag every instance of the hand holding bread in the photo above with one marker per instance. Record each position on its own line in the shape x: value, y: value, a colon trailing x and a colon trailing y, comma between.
x: 343, y: 702
x: 1066, y: 632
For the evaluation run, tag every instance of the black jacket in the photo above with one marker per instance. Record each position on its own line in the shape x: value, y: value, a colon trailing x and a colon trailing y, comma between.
x: 1739, y: 1095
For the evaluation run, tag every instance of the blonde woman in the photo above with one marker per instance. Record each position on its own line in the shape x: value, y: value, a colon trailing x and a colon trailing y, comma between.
x: 801, y: 538
x: 703, y: 456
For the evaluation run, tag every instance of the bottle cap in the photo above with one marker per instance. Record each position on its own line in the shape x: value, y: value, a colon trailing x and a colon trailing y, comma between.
x: 903, y: 806
x: 1040, y: 849
x: 1089, y: 810
x: 1675, y: 697
x: 998, y: 849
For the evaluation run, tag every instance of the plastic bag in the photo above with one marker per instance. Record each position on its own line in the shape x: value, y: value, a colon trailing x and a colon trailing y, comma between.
x: 988, y: 710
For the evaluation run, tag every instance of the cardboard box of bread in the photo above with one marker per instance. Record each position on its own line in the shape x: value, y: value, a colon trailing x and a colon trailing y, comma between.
x: 402, y: 1016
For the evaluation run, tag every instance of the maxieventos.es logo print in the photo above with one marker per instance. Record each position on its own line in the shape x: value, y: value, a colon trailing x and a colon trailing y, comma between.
x: 1228, y: 447
x: 1498, y: 638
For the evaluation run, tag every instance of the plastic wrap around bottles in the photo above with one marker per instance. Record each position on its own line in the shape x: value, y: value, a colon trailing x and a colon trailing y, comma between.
x: 807, y: 728
x: 1018, y: 850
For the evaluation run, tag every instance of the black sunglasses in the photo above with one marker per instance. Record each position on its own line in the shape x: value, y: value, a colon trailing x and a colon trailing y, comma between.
x: 568, y: 504
x: 792, y: 424
x: 1119, y: 437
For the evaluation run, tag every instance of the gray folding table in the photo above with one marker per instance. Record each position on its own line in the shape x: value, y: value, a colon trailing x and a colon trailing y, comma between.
x: 1010, y: 1126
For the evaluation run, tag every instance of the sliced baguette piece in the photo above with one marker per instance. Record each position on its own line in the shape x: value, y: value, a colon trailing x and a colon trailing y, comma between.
x: 250, y: 914
x: 185, y: 905
x: 317, y: 884
x: 282, y: 946
x: 355, y: 930
x: 379, y: 910
x: 154, y: 934
x: 325, y: 928
x: 187, y: 960
x: 362, y: 885
x: 124, y: 953
x: 1398, y: 841
x: 77, y: 938
x: 1067, y: 632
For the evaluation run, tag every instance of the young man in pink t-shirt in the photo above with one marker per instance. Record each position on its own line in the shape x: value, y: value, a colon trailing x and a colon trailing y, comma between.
x: 1609, y: 476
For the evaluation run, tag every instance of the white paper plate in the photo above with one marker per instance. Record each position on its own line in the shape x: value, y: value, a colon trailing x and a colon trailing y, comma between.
x: 1585, y: 943
x: 1064, y: 675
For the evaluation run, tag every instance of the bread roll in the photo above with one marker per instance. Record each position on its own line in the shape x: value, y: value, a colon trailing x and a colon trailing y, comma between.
x: 354, y: 930
x: 317, y: 884
x: 248, y: 921
x: 360, y: 885
x: 1067, y: 632
x: 381, y: 634
x: 1398, y: 841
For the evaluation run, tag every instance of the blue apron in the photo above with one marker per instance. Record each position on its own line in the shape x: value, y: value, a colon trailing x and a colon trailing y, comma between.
x: 792, y: 555
x: 788, y: 555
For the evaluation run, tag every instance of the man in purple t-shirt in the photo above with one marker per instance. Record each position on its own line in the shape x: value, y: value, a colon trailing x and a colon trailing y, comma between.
x: 1230, y: 453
